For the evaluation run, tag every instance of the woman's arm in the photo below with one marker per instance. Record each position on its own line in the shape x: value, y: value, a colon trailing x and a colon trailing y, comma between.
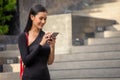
x: 26, y: 57
x: 51, y: 56
x: 52, y: 52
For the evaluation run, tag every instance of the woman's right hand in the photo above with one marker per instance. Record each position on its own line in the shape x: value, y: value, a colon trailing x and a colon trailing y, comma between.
x: 45, y: 38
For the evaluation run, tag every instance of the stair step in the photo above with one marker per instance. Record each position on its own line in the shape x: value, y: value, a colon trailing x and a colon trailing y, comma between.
x: 9, y: 56
x: 85, y: 65
x: 112, y: 34
x: 95, y: 48
x: 15, y: 76
x: 2, y: 47
x: 9, y: 76
x: 8, y: 60
x: 70, y: 65
x: 88, y: 56
x: 96, y: 41
x: 113, y: 28
x: 11, y: 67
x: 10, y: 53
x: 90, y: 79
x: 85, y: 73
x: 107, y: 34
x: 12, y: 47
x: 79, y: 49
x: 117, y: 27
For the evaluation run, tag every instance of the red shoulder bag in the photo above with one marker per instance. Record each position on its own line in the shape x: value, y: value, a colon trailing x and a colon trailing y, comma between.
x: 21, y: 62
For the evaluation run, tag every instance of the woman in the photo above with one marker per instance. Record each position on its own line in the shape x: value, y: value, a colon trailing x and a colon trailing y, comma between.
x: 36, y: 46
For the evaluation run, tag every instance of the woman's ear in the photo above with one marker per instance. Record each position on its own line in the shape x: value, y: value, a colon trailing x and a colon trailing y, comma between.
x: 32, y: 17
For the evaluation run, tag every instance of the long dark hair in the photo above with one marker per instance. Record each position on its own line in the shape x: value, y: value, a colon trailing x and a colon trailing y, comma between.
x: 33, y: 11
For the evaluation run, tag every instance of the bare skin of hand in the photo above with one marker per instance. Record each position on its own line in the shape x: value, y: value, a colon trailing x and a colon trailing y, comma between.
x: 45, y: 38
x: 51, y: 42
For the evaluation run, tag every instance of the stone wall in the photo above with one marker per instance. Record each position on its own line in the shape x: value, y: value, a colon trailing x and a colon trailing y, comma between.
x: 62, y: 24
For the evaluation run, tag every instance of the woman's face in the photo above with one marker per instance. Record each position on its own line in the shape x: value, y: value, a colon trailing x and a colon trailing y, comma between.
x: 39, y: 20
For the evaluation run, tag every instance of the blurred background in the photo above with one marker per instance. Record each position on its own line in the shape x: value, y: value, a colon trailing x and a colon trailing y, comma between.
x: 88, y: 44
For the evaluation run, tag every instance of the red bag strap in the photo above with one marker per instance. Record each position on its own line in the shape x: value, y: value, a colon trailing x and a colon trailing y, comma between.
x: 21, y: 63
x: 26, y: 38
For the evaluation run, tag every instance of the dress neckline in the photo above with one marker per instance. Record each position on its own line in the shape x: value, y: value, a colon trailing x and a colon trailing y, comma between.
x: 34, y: 40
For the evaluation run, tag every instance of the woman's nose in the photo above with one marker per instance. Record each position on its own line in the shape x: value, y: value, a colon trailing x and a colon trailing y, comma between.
x: 43, y: 21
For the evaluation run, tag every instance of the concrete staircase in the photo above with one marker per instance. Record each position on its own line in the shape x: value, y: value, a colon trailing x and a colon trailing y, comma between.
x: 99, y: 59
x: 8, y: 59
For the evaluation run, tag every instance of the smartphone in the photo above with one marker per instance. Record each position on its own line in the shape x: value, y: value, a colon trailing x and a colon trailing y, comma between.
x: 54, y: 34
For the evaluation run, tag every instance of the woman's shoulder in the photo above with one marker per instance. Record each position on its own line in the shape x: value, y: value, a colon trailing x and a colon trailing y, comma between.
x: 21, y: 35
x: 21, y: 38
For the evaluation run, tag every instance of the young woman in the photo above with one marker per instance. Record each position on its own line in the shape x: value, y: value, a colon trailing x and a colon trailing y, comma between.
x: 36, y: 47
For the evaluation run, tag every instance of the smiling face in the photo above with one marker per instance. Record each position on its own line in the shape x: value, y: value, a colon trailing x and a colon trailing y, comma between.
x: 39, y: 20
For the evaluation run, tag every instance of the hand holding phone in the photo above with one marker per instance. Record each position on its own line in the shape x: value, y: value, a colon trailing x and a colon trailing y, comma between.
x: 54, y: 34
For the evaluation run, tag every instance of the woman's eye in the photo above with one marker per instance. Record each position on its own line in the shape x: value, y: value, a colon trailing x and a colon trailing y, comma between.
x: 42, y: 18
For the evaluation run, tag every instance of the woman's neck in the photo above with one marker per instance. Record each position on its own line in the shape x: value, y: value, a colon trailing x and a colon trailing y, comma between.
x: 34, y: 31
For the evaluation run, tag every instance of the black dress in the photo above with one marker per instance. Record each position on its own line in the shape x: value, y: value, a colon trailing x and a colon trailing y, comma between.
x: 35, y: 58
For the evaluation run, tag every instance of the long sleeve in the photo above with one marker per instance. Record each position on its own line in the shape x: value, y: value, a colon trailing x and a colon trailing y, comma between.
x: 26, y: 56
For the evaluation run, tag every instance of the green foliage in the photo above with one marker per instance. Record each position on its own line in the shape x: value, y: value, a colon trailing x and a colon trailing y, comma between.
x: 6, y: 7
x: 3, y: 29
